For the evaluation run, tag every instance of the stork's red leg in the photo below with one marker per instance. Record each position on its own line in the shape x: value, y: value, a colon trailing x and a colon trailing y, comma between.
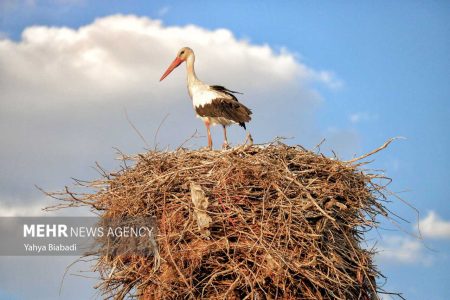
x: 207, y: 124
x: 225, y: 139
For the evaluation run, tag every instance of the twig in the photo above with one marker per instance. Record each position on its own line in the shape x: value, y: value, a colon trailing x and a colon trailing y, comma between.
x: 157, y: 131
x: 374, y: 151
x: 135, y: 129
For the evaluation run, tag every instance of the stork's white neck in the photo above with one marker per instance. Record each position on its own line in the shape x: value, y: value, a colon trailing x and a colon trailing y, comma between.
x: 191, y: 77
x: 192, y: 80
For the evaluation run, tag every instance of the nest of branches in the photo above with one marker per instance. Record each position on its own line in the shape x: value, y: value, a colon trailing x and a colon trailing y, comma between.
x: 262, y: 222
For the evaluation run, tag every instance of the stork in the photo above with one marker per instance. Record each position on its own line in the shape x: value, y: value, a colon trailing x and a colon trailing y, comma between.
x: 214, y: 104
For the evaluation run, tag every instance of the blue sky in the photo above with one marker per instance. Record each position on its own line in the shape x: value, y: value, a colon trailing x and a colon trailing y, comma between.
x: 390, y: 67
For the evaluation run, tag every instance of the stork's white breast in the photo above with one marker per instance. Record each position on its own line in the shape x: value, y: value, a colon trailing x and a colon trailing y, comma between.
x: 202, y: 95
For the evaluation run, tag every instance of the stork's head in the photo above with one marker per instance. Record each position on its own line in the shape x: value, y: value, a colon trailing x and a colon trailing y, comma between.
x: 182, y: 56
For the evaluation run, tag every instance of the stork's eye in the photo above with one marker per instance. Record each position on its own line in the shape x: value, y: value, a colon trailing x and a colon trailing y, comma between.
x: 182, y: 52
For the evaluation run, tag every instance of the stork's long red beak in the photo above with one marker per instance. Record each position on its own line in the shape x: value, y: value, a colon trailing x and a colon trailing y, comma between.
x: 176, y: 62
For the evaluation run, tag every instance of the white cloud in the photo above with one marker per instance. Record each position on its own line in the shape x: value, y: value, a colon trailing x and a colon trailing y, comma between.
x: 411, y: 250
x: 433, y: 226
x: 362, y: 117
x: 403, y: 250
x: 123, y: 54
x: 329, y: 78
x: 163, y: 11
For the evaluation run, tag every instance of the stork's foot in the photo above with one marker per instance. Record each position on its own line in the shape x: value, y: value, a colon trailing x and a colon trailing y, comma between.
x: 206, y: 148
x: 225, y: 145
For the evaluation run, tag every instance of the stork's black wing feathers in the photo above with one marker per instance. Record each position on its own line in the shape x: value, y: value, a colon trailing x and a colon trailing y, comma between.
x: 224, y: 90
x: 226, y: 108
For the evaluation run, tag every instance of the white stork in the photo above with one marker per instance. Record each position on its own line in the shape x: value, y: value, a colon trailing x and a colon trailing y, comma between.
x: 214, y: 104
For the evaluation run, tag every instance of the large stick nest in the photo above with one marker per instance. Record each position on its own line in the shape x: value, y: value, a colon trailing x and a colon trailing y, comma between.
x: 264, y: 222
